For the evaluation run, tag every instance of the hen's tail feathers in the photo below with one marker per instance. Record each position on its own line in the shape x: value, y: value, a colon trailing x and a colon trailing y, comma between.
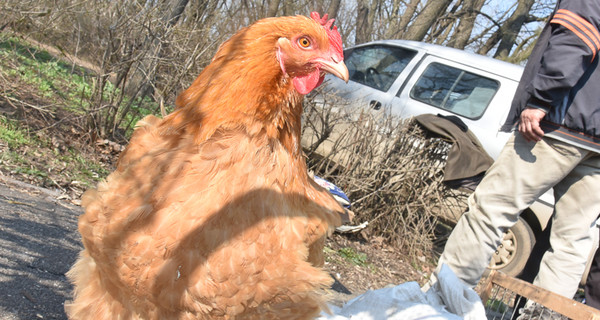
x: 91, y: 301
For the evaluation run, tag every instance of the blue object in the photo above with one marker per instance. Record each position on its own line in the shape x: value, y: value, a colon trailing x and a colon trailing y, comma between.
x: 335, y: 191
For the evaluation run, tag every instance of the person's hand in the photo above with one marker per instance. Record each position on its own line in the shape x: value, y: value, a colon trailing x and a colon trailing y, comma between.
x: 529, y: 126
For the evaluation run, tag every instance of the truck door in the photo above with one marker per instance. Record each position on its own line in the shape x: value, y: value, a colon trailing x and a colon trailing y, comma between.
x: 480, y: 99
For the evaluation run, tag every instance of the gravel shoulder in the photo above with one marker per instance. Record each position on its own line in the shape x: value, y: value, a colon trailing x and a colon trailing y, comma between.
x: 38, y: 244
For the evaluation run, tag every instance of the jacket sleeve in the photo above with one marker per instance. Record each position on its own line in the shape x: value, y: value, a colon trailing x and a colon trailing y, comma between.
x: 572, y: 47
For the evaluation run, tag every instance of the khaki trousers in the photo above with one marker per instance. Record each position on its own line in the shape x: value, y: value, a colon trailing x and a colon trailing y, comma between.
x: 523, y: 172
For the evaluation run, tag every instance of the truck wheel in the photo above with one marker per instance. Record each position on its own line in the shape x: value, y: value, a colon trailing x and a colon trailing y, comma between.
x: 513, y: 252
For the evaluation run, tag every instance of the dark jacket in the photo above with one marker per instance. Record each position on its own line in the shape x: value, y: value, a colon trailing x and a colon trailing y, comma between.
x: 467, y: 160
x: 562, y: 76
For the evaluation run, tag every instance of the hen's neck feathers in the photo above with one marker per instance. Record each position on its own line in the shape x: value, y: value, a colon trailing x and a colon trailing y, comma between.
x: 243, y: 88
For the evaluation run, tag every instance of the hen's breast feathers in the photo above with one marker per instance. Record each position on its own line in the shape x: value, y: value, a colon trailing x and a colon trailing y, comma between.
x: 172, y: 217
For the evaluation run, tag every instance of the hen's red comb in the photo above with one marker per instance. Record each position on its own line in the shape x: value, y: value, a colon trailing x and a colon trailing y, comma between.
x: 335, y: 38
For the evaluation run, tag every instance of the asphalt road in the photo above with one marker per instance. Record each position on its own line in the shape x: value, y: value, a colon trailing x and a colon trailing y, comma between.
x: 38, y: 244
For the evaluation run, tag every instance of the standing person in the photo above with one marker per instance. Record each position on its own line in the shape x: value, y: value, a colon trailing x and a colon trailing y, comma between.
x: 557, y: 145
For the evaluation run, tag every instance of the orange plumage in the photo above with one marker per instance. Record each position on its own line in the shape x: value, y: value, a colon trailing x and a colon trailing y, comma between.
x: 210, y: 213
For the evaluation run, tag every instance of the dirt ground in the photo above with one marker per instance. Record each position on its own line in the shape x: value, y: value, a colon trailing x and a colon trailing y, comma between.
x: 384, y: 266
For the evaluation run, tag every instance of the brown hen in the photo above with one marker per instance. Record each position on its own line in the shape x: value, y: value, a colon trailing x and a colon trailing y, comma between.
x: 210, y: 213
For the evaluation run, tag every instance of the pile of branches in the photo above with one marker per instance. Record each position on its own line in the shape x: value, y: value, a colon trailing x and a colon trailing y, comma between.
x: 391, y: 169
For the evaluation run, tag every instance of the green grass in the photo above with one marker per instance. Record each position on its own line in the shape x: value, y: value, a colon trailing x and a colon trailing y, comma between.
x: 12, y: 135
x: 352, y: 256
x: 61, y: 83
x: 34, y: 76
x: 34, y: 156
x: 55, y: 81
x: 16, y: 157
x: 496, y: 305
x: 87, y: 172
x: 349, y: 255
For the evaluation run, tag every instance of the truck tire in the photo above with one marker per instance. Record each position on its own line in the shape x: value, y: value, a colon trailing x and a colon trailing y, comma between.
x: 513, y: 252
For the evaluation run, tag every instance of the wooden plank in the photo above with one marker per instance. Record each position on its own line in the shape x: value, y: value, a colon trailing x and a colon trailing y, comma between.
x: 486, y: 287
x: 550, y: 300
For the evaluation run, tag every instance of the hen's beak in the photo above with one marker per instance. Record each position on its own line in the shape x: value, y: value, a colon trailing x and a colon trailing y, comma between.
x: 337, y: 69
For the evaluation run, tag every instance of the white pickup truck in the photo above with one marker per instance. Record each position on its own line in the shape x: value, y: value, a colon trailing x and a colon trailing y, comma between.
x: 406, y: 79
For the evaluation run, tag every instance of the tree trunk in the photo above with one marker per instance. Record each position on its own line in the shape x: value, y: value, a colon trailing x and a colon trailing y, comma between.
x: 334, y: 7
x: 495, y: 36
x: 364, y: 21
x: 177, y: 12
x: 511, y: 28
x: 288, y: 8
x: 273, y: 7
x: 148, y: 68
x: 444, y: 25
x: 405, y: 19
x: 524, y: 48
x: 395, y: 19
x: 443, y: 32
x: 433, y: 10
x: 467, y: 16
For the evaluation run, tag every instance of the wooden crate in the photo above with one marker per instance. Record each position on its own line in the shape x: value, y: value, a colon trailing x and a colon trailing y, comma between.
x: 502, y: 295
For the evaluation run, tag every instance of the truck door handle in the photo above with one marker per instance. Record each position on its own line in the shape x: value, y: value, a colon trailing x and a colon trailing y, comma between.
x: 375, y: 104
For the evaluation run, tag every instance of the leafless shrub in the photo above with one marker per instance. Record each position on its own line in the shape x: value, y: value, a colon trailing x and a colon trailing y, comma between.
x: 140, y: 53
x: 392, y: 170
x: 146, y: 57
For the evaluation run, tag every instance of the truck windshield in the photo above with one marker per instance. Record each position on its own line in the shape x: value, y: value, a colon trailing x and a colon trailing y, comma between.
x: 377, y: 66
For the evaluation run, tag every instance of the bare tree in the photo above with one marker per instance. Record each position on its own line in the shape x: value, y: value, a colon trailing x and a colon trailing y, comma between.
x: 444, y: 25
x: 149, y: 50
x: 364, y: 20
x: 507, y: 34
x: 146, y: 71
x: 273, y: 7
x: 466, y: 17
x: 334, y: 7
x: 524, y: 48
x: 425, y: 19
x: 450, y: 22
x: 398, y: 22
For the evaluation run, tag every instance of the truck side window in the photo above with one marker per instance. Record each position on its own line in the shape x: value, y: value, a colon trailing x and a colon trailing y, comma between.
x: 377, y: 66
x: 456, y: 90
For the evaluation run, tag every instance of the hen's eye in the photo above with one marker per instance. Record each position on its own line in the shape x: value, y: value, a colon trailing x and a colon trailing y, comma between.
x: 304, y: 42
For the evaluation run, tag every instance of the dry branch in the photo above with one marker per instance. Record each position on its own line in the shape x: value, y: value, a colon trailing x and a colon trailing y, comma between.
x: 391, y: 170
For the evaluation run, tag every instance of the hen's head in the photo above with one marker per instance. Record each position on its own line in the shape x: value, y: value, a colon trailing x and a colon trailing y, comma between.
x: 261, y: 73
x: 300, y: 48
x: 306, y: 53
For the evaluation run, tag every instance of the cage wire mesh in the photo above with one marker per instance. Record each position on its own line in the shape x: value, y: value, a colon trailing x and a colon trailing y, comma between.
x: 504, y: 304
x: 505, y: 297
